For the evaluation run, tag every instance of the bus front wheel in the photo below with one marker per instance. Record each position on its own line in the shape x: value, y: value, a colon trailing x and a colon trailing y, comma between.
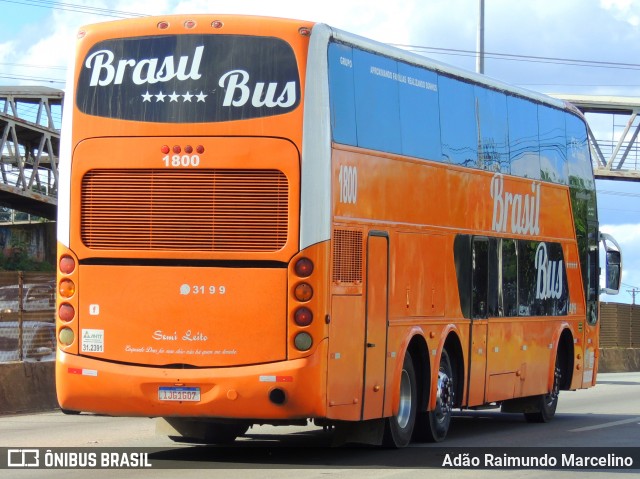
x: 547, y: 403
x: 399, y: 428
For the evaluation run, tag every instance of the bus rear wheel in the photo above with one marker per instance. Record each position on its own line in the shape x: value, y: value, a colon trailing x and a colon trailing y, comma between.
x: 399, y: 428
x: 439, y: 419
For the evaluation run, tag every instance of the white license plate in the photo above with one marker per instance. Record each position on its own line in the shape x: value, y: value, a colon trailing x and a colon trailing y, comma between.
x: 178, y: 394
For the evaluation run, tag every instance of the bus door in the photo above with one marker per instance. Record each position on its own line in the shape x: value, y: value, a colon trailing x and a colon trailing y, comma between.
x: 377, y: 281
x: 479, y: 323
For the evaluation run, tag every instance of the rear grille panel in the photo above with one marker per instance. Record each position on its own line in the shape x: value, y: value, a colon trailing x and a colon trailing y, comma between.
x: 347, y: 256
x: 205, y: 210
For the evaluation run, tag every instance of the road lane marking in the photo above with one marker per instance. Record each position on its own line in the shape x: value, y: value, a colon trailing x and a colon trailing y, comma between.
x: 606, y: 424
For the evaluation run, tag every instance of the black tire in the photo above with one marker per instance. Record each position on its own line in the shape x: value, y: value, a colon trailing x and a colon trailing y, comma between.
x: 69, y: 412
x: 222, y: 433
x: 439, y: 419
x: 547, y: 403
x: 399, y: 428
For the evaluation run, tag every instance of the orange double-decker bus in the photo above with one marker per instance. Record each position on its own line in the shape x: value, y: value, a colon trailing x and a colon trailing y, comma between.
x: 273, y: 221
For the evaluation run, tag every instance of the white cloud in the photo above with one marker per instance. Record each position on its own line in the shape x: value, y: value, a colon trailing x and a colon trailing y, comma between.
x: 623, y: 10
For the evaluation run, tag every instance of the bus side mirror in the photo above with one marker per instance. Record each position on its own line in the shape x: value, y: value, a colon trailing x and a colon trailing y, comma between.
x: 613, y: 265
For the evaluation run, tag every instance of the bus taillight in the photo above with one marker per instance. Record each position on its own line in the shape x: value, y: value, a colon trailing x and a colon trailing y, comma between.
x: 303, y: 341
x: 303, y: 292
x: 67, y: 264
x: 66, y: 336
x: 66, y: 312
x: 303, y: 316
x: 304, y: 267
x: 67, y: 288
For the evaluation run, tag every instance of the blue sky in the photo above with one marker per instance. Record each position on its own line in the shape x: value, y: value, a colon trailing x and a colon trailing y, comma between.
x: 37, y: 36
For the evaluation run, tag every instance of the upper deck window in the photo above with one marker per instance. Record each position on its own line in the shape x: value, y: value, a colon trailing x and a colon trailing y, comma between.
x: 189, y: 78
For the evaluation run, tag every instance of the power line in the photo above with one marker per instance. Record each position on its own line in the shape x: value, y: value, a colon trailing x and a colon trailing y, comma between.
x: 522, y: 58
x: 619, y: 193
x: 30, y: 78
x: 26, y: 65
x: 74, y: 7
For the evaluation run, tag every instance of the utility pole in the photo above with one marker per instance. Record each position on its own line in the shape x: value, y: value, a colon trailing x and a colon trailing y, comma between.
x: 633, y: 292
x: 480, y: 42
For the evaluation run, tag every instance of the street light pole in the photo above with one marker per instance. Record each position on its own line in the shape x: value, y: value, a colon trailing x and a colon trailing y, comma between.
x: 480, y: 42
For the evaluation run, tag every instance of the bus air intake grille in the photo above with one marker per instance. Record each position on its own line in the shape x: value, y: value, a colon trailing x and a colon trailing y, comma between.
x: 347, y: 256
x: 195, y: 210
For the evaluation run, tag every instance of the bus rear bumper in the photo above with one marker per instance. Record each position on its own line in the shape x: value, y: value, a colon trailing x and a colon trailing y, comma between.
x: 284, y: 390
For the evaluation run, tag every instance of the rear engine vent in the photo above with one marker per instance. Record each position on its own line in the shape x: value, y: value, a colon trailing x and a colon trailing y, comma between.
x: 194, y: 210
x: 347, y: 256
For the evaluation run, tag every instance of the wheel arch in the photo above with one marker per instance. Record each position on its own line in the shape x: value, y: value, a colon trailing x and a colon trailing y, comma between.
x: 419, y: 351
x: 456, y: 357
x: 565, y: 355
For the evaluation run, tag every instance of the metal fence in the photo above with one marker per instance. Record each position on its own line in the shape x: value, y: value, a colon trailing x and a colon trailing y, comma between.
x: 620, y: 325
x: 27, y: 316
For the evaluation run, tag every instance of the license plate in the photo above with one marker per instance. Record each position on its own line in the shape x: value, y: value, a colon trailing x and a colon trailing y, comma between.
x: 178, y: 394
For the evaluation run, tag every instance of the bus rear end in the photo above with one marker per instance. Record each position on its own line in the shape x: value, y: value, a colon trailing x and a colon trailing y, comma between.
x: 181, y: 288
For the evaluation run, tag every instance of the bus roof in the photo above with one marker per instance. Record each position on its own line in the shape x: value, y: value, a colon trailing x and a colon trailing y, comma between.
x: 420, y: 60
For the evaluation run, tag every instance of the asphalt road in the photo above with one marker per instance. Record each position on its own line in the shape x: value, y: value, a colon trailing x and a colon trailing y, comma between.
x: 604, y: 417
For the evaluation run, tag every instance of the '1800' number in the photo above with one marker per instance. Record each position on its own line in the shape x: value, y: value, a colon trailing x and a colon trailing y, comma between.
x: 348, y: 179
x: 181, y: 161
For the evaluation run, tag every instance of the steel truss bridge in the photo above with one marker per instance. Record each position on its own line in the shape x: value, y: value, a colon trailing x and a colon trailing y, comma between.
x: 30, y: 120
x: 616, y: 158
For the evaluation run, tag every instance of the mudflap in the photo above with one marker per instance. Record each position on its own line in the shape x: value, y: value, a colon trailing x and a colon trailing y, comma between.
x: 362, y: 432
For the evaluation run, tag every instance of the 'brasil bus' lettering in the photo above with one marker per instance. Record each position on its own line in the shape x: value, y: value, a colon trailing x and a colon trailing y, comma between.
x: 236, y: 82
x: 143, y: 71
x: 522, y: 211
x: 549, y: 283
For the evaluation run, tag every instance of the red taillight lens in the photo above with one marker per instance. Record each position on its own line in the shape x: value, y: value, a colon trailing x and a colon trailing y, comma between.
x: 67, y: 264
x: 304, y: 267
x: 303, y: 292
x: 165, y: 149
x: 177, y: 149
x: 303, y: 317
x: 66, y: 312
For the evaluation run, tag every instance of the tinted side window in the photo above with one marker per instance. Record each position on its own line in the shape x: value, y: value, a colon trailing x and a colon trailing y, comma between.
x: 524, y: 150
x: 509, y: 269
x: 480, y: 277
x: 553, y: 145
x: 458, y: 127
x: 542, y: 281
x: 494, y: 131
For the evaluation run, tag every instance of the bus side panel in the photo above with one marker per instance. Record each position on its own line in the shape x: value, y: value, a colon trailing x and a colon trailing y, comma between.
x: 346, y: 358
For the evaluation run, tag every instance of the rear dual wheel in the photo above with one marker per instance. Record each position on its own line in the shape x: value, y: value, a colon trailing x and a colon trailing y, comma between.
x: 434, y: 425
x: 399, y: 428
